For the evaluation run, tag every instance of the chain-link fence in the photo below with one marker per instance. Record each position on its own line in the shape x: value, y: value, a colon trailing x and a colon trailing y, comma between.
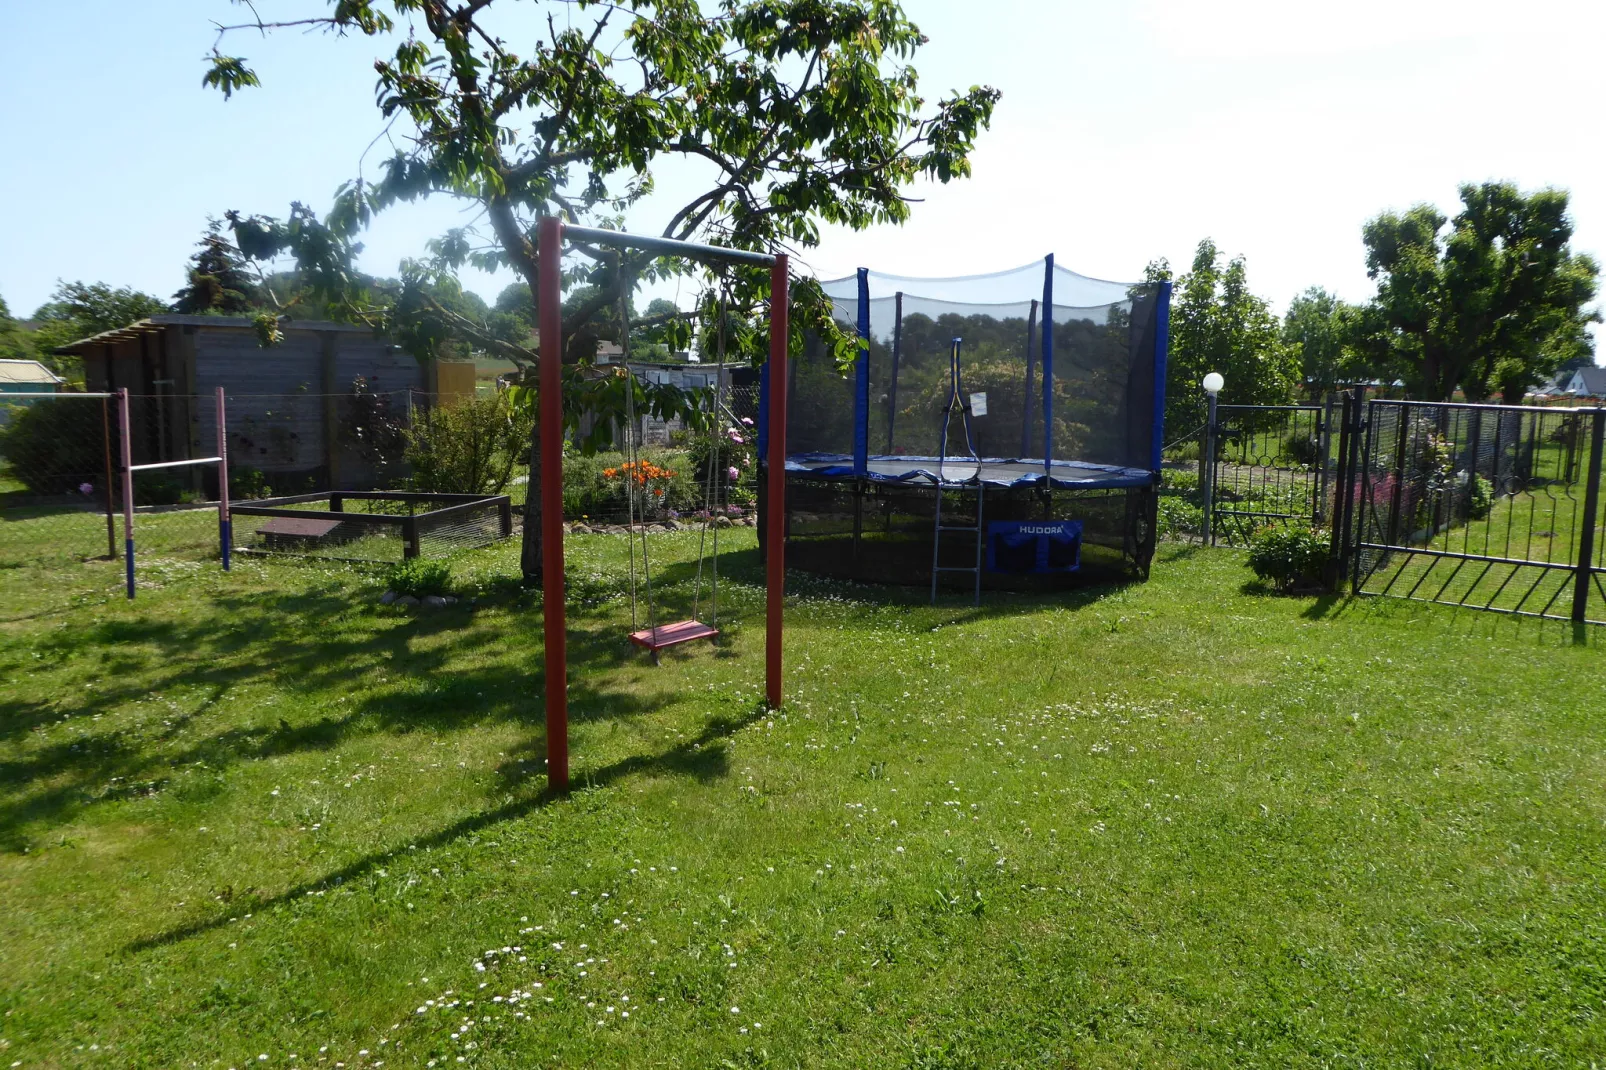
x: 58, y: 485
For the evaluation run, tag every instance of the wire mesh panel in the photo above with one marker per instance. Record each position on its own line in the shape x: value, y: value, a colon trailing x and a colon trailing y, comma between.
x: 1073, y: 379
x: 1488, y: 506
x: 1273, y: 467
x: 884, y: 533
x: 58, y: 486
x: 377, y: 527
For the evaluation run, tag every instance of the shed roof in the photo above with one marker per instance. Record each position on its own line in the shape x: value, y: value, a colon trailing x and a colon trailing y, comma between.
x: 155, y: 324
x: 27, y: 371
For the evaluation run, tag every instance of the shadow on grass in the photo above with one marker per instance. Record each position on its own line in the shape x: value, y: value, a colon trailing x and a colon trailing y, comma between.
x: 294, y: 639
x: 696, y: 758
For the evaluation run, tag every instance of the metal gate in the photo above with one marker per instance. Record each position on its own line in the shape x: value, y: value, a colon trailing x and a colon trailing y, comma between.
x: 1272, y: 467
x: 1494, y: 507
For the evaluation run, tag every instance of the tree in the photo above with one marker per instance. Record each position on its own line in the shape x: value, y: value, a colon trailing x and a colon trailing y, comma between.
x: 1321, y: 329
x: 1218, y: 325
x: 77, y: 310
x: 15, y: 343
x: 218, y: 279
x: 799, y: 111
x: 1497, y: 303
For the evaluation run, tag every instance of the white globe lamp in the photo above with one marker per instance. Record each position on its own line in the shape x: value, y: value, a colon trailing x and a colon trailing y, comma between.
x: 1213, y: 383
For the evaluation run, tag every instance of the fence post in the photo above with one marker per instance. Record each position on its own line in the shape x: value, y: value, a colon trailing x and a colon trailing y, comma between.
x: 1360, y: 462
x: 504, y: 514
x: 106, y: 443
x: 1207, y: 469
x: 410, y: 547
x: 1338, y: 537
x: 1586, y: 543
x: 125, y: 434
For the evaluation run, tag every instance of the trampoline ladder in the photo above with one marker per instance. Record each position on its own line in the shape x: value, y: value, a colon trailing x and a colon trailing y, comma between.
x: 936, y: 546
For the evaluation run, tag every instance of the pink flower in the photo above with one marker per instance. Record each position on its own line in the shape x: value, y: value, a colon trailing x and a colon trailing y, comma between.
x: 735, y: 436
x: 747, y: 421
x: 86, y: 488
x: 733, y: 472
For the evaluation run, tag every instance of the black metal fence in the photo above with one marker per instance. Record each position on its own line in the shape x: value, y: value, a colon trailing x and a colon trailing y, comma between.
x: 1272, y: 466
x: 1494, y: 507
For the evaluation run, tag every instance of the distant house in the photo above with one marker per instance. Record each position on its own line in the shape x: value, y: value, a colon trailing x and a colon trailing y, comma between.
x: 28, y: 377
x: 24, y: 377
x: 286, y: 402
x: 1587, y: 383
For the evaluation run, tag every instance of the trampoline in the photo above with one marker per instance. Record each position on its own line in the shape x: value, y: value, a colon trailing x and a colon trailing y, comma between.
x: 981, y: 411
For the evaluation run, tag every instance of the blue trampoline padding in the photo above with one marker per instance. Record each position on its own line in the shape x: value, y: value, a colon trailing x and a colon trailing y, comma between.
x: 993, y: 471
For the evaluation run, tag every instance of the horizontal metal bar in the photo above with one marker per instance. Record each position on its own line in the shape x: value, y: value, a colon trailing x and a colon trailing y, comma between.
x: 63, y: 394
x: 173, y: 464
x: 1565, y: 409
x: 618, y: 239
x: 410, y: 496
x: 375, y: 519
x: 1270, y: 408
x: 1565, y: 566
x: 1478, y: 609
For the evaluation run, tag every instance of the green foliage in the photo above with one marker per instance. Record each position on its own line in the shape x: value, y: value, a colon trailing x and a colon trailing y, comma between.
x: 218, y: 279
x: 567, y: 125
x: 589, y: 493
x: 247, y: 483
x: 41, y: 456
x: 1480, y: 498
x: 1497, y: 303
x: 419, y: 576
x: 77, y: 310
x: 1218, y: 325
x: 1321, y: 331
x: 159, y: 488
x: 15, y: 343
x: 1289, y: 556
x: 468, y: 447
x: 1303, y: 448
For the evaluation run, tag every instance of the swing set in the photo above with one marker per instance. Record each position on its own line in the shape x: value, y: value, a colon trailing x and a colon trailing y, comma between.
x: 640, y: 498
x: 655, y: 637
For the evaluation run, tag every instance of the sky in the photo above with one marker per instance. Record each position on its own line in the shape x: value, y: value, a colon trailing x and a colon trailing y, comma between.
x: 1127, y: 132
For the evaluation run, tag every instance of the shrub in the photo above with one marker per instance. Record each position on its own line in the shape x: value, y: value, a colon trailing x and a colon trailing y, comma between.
x: 589, y: 492
x: 468, y: 447
x: 1480, y: 499
x: 1303, y: 447
x: 420, y: 576
x: 158, y: 488
x: 1289, y: 557
x: 47, y: 449
x: 246, y: 483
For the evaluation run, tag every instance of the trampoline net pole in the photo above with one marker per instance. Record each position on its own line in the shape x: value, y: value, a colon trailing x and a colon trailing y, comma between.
x: 775, y: 549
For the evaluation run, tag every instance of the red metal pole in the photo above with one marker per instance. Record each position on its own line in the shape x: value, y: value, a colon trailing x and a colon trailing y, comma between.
x: 775, y: 492
x: 225, y: 535
x: 549, y: 313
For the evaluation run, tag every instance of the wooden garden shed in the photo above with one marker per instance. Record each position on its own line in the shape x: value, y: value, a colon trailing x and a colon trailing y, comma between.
x: 286, y: 402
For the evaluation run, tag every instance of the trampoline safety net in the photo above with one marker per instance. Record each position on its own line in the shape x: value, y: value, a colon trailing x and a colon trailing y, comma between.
x: 1058, y: 385
x: 1062, y: 377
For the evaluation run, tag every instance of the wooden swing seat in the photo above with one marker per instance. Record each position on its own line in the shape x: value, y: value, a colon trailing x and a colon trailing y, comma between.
x: 668, y: 635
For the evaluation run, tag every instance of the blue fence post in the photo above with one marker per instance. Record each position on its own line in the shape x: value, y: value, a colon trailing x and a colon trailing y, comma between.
x: 1162, y: 350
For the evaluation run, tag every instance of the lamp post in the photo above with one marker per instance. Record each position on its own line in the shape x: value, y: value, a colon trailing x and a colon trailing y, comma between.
x: 1212, y: 384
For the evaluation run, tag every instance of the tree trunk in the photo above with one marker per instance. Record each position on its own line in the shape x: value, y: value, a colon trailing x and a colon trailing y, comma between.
x: 530, y: 551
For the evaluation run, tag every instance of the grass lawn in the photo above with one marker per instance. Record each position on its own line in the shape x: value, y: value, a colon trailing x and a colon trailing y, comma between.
x: 260, y: 819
